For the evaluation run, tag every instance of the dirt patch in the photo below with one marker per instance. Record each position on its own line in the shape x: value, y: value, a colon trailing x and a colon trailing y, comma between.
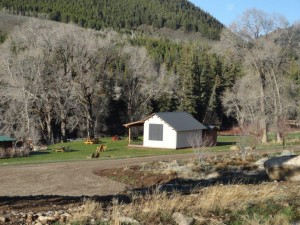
x: 134, y: 177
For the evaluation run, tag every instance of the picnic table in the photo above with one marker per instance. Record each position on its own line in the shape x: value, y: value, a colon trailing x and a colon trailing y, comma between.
x: 62, y: 149
x: 89, y: 141
x: 59, y: 149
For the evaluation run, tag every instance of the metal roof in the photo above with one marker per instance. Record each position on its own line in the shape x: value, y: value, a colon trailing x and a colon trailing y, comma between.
x: 134, y: 124
x: 6, y: 138
x: 181, y: 121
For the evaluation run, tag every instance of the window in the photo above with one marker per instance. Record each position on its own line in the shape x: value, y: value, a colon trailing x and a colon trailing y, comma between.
x: 155, y: 132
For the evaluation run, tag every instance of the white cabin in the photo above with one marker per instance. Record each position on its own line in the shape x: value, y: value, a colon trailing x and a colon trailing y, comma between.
x: 170, y: 130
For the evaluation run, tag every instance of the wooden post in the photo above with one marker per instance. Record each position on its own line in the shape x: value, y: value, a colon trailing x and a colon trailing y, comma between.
x: 129, y: 136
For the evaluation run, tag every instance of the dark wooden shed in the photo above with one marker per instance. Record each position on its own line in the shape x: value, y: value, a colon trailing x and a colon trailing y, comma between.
x: 6, y: 142
x: 210, y: 135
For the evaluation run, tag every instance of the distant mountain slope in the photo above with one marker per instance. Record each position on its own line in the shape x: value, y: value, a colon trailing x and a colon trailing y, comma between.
x: 8, y: 22
x: 121, y: 14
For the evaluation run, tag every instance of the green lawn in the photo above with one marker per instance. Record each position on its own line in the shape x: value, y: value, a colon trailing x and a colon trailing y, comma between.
x: 116, y: 150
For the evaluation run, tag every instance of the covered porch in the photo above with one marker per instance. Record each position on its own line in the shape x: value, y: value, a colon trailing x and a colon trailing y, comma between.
x: 132, y: 136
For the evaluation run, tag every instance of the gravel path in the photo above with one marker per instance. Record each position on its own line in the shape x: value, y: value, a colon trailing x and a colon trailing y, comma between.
x: 67, y: 178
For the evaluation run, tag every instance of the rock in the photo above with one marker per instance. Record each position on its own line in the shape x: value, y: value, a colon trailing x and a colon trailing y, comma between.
x: 260, y: 163
x: 29, y: 218
x: 42, y: 219
x: 234, y: 148
x: 3, y: 219
x: 286, y: 153
x: 283, y: 168
x: 14, y: 212
x: 56, y: 214
x: 213, y: 175
x: 200, y: 220
x: 51, y: 218
x: 124, y: 219
x: 181, y: 219
x: 62, y: 219
x: 49, y: 213
x: 66, y: 215
x: 249, y: 149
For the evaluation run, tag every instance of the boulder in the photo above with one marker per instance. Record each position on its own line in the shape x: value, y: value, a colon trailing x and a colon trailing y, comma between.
x: 283, y: 168
x: 260, y: 163
x: 3, y: 219
x: 235, y: 148
x: 128, y: 220
x: 181, y: 219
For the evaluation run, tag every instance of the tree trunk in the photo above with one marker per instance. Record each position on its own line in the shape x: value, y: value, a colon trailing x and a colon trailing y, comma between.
x: 279, y: 137
x: 63, y: 128
x: 49, y: 129
x: 263, y: 122
x: 90, y: 122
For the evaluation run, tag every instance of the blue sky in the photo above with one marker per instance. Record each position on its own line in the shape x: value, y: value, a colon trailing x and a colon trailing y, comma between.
x: 227, y: 11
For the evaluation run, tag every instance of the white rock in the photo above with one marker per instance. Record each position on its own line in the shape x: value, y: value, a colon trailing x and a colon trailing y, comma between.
x: 124, y: 219
x: 286, y: 153
x: 181, y: 219
x: 51, y: 218
x: 66, y: 214
x: 3, y: 219
x: 234, y: 148
x: 260, y: 162
x: 283, y: 168
x: 213, y: 175
x: 42, y: 218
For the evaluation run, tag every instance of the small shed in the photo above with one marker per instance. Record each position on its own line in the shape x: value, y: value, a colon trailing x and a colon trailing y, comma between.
x: 170, y: 130
x: 210, y: 136
x: 6, y: 142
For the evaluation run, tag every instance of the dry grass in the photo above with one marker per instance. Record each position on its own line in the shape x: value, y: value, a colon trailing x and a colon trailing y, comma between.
x: 230, y: 197
x: 279, y: 219
x: 211, y: 205
x: 90, y: 210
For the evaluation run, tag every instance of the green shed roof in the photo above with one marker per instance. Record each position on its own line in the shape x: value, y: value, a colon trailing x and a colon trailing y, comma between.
x: 6, y: 138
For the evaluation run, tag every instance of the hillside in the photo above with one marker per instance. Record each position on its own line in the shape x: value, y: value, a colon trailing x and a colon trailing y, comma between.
x: 121, y: 14
x: 8, y: 22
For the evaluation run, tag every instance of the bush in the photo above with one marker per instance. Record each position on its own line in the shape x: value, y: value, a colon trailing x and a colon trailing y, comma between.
x: 2, y: 153
x: 14, y: 152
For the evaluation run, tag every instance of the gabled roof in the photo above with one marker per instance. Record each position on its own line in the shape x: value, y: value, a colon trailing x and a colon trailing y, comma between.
x: 180, y: 121
x: 5, y: 138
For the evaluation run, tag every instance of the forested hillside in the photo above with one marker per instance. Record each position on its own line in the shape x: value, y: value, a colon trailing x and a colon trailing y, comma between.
x: 120, y: 14
x: 57, y: 79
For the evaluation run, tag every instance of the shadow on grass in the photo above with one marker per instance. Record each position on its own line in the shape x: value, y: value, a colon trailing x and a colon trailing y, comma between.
x: 226, y: 143
x: 187, y: 186
x: 40, y: 153
x: 39, y: 201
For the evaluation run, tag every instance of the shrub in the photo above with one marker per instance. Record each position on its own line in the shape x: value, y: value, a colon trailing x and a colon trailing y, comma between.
x: 2, y: 153
x: 14, y: 152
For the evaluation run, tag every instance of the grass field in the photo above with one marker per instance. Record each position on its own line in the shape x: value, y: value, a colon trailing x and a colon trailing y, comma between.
x: 115, y: 150
x: 119, y: 149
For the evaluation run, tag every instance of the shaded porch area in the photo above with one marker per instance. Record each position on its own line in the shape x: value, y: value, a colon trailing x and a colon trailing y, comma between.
x: 134, y: 128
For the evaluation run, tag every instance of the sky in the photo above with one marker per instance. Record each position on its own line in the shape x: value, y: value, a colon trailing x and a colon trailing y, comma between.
x: 227, y: 11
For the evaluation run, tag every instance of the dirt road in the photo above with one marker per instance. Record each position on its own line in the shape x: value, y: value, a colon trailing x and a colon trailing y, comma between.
x: 67, y: 178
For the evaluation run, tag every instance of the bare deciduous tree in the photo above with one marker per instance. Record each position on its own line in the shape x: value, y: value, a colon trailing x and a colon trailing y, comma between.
x: 143, y: 81
x: 265, y: 93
